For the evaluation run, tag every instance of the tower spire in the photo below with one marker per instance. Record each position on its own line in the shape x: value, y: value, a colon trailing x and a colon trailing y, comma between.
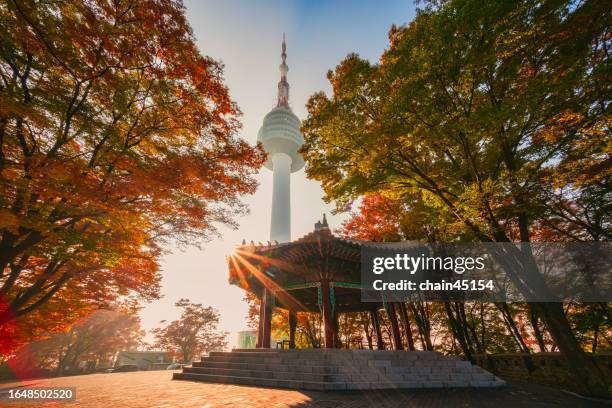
x: 283, y: 85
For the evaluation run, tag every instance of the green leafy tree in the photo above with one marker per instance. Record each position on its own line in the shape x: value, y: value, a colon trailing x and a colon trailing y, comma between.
x: 497, y: 114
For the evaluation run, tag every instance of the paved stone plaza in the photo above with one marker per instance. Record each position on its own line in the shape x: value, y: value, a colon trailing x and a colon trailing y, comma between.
x: 147, y: 389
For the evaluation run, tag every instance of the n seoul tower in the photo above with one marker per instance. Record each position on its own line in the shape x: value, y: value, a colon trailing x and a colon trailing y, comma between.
x: 281, y: 138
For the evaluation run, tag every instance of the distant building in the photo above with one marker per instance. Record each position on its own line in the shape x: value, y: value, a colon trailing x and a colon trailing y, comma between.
x: 145, y: 360
x: 247, y: 339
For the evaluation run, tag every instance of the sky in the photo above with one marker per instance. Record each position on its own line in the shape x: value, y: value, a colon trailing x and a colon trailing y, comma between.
x: 246, y: 37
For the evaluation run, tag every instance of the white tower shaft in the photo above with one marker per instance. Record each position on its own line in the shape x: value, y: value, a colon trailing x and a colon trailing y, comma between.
x: 280, y: 227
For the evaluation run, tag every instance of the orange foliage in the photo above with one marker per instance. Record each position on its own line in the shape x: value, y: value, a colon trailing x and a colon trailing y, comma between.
x: 117, y: 137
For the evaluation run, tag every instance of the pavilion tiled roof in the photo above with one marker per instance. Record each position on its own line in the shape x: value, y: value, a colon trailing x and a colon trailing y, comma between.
x: 305, y: 261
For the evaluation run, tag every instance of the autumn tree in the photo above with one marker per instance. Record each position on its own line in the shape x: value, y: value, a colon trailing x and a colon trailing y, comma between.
x: 497, y: 115
x: 103, y: 333
x: 195, y: 332
x: 96, y: 337
x: 116, y: 137
x: 389, y: 216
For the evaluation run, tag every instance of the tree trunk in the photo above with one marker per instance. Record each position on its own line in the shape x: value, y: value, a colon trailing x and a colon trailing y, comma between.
x: 470, y: 332
x: 376, y: 323
x: 595, y: 337
x: 407, y: 328
x: 458, y: 332
x: 483, y: 329
x: 369, y: 340
x: 533, y: 320
x: 422, y: 320
x: 589, y: 378
x: 395, y: 331
x: 511, y: 325
x: 292, y: 327
x: 368, y: 333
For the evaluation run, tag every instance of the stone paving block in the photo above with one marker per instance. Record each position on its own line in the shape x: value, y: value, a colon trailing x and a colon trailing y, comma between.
x: 336, y: 378
x: 314, y: 386
x: 434, y: 384
x: 213, y: 364
x: 146, y: 389
x: 380, y: 386
x: 460, y: 370
x: 410, y: 384
x: 249, y: 381
x: 347, y: 370
x: 484, y: 384
x: 379, y: 363
x: 364, y: 377
x: 358, y: 386
x: 465, y: 378
x: 335, y: 386
x: 438, y: 377
x: 457, y: 383
x: 332, y: 369
x: 412, y: 377
x: 394, y: 377
x: 289, y: 384
x: 483, y: 377
x: 419, y: 370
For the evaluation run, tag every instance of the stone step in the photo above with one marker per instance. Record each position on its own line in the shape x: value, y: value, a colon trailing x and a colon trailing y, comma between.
x: 339, y: 369
x: 288, y: 375
x: 334, y: 354
x: 455, y: 365
x: 331, y: 366
x: 355, y: 370
x: 344, y: 375
x: 261, y: 382
x: 276, y: 358
x: 272, y: 367
x: 332, y: 386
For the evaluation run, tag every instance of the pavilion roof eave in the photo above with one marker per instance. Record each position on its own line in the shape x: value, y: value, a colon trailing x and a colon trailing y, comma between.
x: 292, y: 267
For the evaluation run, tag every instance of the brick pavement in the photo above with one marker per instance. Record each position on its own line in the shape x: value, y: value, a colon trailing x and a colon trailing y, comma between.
x: 148, y: 389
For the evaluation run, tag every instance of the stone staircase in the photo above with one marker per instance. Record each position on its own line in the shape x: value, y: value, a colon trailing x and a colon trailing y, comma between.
x: 333, y: 369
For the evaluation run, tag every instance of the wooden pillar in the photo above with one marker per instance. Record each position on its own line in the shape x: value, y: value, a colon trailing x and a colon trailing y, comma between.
x: 260, y: 323
x: 406, y: 322
x: 395, y: 330
x: 328, y: 318
x: 376, y: 323
x: 292, y: 326
x: 337, y: 343
x: 267, y: 318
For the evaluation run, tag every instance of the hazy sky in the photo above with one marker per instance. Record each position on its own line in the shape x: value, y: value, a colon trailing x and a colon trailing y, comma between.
x: 246, y: 36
